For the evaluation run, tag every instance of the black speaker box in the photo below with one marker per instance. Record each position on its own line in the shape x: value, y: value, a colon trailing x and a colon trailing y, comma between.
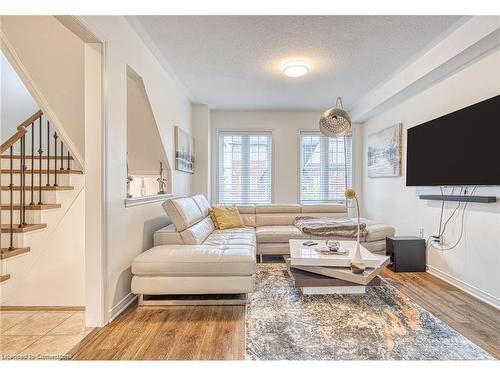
x: 407, y: 254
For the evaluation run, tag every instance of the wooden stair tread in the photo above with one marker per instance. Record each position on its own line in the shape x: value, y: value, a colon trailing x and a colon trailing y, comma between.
x: 27, y: 228
x: 32, y: 207
x: 43, y: 171
x: 46, y: 188
x: 36, y: 157
x: 4, y: 278
x: 6, y: 253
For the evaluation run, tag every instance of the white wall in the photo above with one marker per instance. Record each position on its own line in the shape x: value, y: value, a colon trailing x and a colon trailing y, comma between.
x: 53, y: 57
x: 16, y: 102
x: 202, y: 149
x: 474, y: 265
x: 285, y: 127
x: 129, y: 231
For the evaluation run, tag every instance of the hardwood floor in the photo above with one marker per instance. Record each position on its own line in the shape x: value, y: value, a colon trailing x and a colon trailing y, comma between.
x: 476, y: 320
x: 174, y: 333
x: 218, y: 332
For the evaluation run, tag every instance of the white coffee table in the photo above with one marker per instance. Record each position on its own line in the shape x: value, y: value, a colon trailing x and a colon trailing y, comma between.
x: 317, y: 273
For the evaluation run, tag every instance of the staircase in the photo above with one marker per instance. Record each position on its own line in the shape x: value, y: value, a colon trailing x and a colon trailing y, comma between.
x: 38, y: 180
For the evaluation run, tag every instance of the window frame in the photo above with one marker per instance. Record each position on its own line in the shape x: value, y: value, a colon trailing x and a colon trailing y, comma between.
x: 218, y: 152
x: 305, y: 132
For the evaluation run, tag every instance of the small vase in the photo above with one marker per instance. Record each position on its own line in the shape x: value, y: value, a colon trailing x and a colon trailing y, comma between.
x: 357, y: 263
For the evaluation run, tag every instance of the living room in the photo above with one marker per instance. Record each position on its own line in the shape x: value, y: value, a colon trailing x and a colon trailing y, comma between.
x: 251, y: 186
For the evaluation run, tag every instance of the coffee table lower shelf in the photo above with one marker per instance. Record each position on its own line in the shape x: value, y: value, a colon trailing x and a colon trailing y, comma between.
x: 315, y: 284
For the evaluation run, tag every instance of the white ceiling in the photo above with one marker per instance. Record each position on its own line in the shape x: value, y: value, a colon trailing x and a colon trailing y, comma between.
x: 234, y: 62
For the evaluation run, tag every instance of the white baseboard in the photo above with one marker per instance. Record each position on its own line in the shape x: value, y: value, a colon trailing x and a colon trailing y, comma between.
x: 472, y: 290
x: 121, y: 306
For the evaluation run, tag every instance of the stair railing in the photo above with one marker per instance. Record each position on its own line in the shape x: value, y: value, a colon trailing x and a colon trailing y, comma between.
x: 15, y: 148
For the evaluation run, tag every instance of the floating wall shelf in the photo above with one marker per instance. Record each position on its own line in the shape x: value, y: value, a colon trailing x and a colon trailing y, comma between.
x: 460, y: 198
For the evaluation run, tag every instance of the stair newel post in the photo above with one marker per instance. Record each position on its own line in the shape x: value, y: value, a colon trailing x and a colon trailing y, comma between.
x: 40, y: 152
x: 11, y: 205
x: 55, y: 158
x: 32, y: 164
x: 62, y: 157
x: 48, y: 153
x: 69, y: 166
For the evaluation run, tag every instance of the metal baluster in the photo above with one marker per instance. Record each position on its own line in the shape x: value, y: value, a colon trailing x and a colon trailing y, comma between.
x: 22, y: 221
x: 40, y: 152
x: 48, y: 153
x: 32, y: 164
x: 11, y: 208
x: 69, y: 167
x: 62, y: 157
x: 24, y: 181
x: 55, y: 160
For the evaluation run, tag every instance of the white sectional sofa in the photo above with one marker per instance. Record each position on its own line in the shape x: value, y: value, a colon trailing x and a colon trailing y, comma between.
x: 192, y: 257
x: 270, y: 226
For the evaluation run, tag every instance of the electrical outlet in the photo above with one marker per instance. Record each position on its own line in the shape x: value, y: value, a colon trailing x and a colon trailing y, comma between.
x: 439, y: 240
x: 421, y: 232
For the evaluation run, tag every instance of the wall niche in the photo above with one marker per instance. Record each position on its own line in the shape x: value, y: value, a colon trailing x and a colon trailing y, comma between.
x: 145, y: 149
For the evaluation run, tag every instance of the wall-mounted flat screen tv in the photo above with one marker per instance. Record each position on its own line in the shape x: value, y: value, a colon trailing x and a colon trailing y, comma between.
x: 460, y: 148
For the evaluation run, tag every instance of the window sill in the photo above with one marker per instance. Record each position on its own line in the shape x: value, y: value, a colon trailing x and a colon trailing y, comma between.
x: 140, y: 201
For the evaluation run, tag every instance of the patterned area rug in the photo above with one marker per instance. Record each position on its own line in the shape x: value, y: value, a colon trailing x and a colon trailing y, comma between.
x: 383, y: 324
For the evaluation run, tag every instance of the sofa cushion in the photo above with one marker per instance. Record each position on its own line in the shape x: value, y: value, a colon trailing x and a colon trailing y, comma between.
x: 246, y: 209
x: 321, y: 208
x: 202, y: 203
x: 236, y: 236
x: 377, y: 232
x: 167, y: 236
x: 275, y: 219
x: 248, y: 220
x: 227, y: 217
x: 197, y: 233
x: 278, y: 233
x: 277, y: 208
x: 183, y: 212
x: 324, y: 214
x: 273, y: 248
x: 196, y: 260
x: 237, y: 230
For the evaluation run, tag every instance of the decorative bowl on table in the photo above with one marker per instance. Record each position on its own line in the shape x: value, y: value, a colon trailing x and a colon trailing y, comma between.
x: 333, y: 245
x: 331, y: 248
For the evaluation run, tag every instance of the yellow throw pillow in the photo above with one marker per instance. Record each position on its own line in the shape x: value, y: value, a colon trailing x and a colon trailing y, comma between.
x: 214, y: 219
x: 227, y: 217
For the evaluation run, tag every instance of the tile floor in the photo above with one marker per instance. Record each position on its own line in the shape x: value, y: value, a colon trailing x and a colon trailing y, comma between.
x: 40, y: 334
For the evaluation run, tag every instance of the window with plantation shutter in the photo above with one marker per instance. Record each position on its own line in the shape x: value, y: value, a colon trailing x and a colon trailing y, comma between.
x: 325, y: 168
x: 245, y: 168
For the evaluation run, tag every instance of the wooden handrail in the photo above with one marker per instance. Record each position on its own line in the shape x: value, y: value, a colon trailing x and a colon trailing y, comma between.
x: 21, y: 130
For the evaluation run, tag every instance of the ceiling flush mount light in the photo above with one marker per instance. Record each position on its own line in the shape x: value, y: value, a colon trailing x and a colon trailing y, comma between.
x: 295, y: 68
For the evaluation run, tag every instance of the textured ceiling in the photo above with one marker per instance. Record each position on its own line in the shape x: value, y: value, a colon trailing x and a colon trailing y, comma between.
x: 234, y: 62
